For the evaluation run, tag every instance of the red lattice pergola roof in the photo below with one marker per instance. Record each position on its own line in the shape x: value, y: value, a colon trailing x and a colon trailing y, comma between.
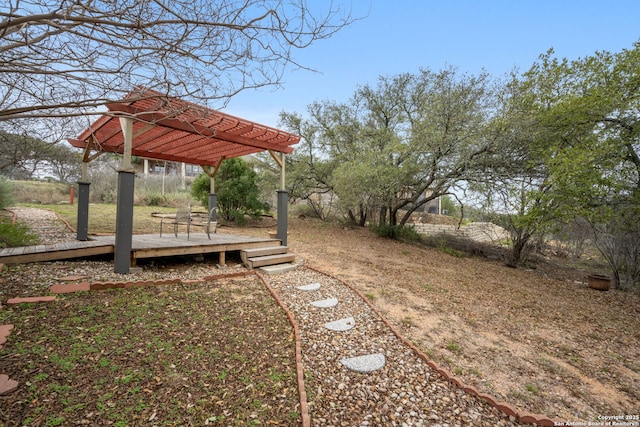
x: 176, y: 130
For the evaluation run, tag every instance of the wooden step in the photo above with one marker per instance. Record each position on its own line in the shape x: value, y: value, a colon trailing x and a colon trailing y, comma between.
x: 260, y: 261
x: 245, y: 254
x: 278, y: 268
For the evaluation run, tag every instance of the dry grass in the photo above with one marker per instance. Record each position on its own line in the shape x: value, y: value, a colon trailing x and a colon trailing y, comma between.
x: 40, y: 192
x: 102, y: 217
x: 539, y: 338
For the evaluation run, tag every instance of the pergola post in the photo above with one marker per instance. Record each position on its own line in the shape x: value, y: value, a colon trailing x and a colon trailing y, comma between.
x: 283, y: 203
x: 213, y: 198
x: 82, y: 231
x: 124, y: 204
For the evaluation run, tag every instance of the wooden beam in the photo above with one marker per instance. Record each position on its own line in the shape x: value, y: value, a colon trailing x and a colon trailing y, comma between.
x: 85, y: 161
x: 86, y: 158
x: 127, y: 132
x: 283, y: 185
x: 146, y: 128
x: 214, y: 172
x: 87, y: 146
x: 276, y: 158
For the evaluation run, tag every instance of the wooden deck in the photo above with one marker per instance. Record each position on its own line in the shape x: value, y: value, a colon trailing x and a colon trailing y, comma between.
x: 143, y: 246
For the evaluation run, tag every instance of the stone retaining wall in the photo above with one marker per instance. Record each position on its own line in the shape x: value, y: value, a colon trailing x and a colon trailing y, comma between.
x: 478, y: 231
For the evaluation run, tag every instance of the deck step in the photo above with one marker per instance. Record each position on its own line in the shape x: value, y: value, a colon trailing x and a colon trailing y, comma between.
x: 267, y: 256
x: 258, y: 252
x: 261, y: 261
x: 278, y: 268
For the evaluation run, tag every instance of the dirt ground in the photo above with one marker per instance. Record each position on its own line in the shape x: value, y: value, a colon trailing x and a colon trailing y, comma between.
x: 537, y: 338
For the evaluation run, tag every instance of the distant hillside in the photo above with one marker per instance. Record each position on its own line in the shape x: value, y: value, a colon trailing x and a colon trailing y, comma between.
x: 39, y: 192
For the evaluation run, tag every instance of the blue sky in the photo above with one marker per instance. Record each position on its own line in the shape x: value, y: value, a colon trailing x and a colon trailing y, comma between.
x: 404, y: 35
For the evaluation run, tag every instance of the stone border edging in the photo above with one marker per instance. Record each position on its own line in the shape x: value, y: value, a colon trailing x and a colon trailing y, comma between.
x: 126, y: 284
x: 14, y: 216
x: 523, y: 417
x: 302, y: 392
x: 63, y: 220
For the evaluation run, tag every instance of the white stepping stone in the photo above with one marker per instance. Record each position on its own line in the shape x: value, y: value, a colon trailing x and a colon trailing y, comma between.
x: 310, y: 287
x: 325, y: 303
x: 341, y: 324
x: 365, y: 364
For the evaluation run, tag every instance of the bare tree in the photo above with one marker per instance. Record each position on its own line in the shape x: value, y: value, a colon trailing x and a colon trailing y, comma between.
x: 63, y: 163
x: 21, y: 155
x: 63, y: 58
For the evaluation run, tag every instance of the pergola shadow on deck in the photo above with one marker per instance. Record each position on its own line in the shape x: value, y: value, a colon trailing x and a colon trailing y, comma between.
x: 144, y: 246
x: 153, y: 125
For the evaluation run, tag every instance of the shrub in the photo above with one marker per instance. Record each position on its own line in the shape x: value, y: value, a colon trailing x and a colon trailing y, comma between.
x: 154, y: 199
x: 444, y: 247
x: 5, y: 193
x: 460, y: 247
x: 200, y: 189
x: 15, y: 234
x: 237, y: 217
x: 236, y: 189
x: 397, y: 232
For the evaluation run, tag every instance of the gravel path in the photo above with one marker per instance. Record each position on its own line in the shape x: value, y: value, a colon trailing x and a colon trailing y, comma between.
x: 46, y: 224
x: 405, y: 392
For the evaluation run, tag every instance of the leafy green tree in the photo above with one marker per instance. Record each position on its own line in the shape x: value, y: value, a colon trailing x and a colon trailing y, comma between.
x: 64, y: 163
x: 236, y: 190
x: 570, y: 137
x: 513, y: 184
x: 595, y: 161
x: 397, y: 145
x: 309, y: 171
x: 449, y: 139
x: 22, y: 156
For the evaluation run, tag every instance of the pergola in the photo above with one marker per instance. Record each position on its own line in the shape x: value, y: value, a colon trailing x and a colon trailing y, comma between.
x: 152, y: 125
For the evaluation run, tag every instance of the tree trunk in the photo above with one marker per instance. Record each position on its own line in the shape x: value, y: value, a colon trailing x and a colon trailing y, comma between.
x: 363, y: 217
x: 518, y: 250
x: 382, y: 220
x: 393, y: 216
x: 352, y: 217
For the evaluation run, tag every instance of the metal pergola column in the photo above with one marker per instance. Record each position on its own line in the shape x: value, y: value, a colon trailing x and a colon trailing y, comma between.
x: 124, y: 204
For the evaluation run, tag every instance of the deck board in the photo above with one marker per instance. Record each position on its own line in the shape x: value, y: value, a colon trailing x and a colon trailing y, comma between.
x: 142, y: 246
